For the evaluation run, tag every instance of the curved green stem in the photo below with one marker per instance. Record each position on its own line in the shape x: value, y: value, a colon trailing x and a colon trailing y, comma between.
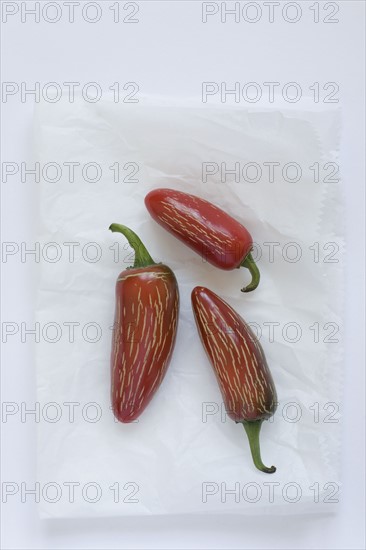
x: 253, y: 429
x: 250, y: 264
x: 142, y: 257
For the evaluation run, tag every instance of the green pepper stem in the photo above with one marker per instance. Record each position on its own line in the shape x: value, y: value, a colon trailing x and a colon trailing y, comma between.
x: 253, y: 428
x: 142, y: 257
x: 250, y: 264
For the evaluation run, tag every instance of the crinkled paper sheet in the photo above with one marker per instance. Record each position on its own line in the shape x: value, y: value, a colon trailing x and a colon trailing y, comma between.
x: 183, y: 453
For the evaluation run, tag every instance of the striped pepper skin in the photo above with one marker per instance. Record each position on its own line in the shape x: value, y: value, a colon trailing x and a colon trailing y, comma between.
x: 144, y: 332
x: 206, y: 229
x: 239, y: 363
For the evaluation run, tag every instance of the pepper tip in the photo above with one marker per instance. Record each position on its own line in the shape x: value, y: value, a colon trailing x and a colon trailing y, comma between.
x: 248, y: 288
x: 249, y: 263
x: 116, y: 227
x: 270, y: 470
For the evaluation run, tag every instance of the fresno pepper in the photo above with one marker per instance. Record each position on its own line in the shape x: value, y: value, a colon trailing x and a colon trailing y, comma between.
x: 208, y: 230
x: 240, y: 366
x: 144, y: 332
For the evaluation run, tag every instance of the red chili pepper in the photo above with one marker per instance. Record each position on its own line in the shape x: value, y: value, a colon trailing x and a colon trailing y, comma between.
x: 145, y: 326
x: 240, y: 366
x: 208, y: 230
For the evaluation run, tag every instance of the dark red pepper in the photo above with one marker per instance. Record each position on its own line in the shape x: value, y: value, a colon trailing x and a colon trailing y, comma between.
x: 240, y: 366
x: 145, y: 325
x: 208, y: 230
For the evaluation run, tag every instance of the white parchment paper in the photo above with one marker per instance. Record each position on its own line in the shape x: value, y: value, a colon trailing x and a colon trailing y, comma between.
x: 183, y: 455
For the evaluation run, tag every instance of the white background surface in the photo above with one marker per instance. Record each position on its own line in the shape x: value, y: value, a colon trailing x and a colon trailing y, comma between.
x: 170, y: 52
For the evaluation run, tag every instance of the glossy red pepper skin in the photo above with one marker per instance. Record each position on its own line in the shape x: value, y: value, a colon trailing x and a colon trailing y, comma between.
x: 144, y: 332
x: 239, y: 364
x: 215, y: 235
